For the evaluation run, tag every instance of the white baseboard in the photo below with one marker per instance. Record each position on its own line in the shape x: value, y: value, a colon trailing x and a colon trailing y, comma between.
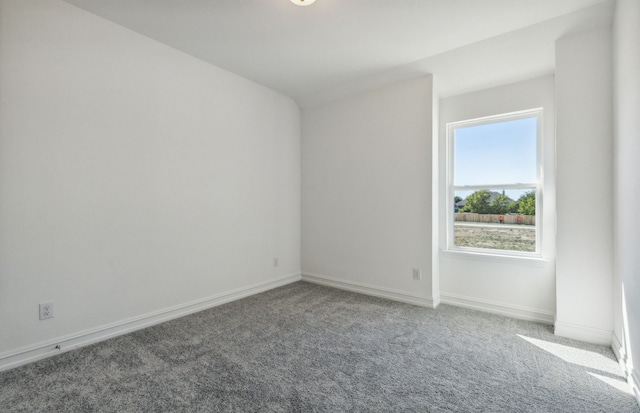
x: 632, y: 375
x: 509, y: 310
x: 46, y: 349
x: 437, y: 299
x: 619, y: 351
x: 583, y: 333
x: 634, y: 381
x: 368, y: 289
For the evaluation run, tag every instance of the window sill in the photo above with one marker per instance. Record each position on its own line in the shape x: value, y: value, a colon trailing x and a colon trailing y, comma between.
x: 509, y: 259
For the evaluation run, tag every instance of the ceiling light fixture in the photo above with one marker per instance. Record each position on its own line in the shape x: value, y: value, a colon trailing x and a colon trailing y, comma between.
x: 302, y: 2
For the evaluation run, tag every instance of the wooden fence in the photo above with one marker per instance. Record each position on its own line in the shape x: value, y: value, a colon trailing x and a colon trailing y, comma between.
x: 493, y: 218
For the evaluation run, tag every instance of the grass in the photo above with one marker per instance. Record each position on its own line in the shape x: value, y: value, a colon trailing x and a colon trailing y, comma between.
x: 495, y: 237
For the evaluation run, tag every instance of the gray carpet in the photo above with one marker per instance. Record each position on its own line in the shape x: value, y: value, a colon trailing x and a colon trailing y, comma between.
x: 306, y: 348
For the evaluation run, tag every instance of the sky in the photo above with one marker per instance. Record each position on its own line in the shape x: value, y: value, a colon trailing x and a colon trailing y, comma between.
x: 496, y: 153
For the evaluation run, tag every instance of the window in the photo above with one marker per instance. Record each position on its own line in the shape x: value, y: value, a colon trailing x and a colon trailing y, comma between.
x: 494, y: 194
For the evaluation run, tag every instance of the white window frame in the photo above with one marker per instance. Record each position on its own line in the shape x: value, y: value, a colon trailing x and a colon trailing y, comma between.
x: 537, y: 186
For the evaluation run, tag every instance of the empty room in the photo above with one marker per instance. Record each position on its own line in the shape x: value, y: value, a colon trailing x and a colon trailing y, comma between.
x: 319, y: 205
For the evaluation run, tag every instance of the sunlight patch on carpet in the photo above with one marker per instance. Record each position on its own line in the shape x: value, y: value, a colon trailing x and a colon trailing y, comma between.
x: 580, y: 357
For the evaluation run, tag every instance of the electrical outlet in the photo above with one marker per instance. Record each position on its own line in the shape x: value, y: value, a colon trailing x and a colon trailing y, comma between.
x: 46, y: 311
x: 417, y: 274
x: 275, y: 262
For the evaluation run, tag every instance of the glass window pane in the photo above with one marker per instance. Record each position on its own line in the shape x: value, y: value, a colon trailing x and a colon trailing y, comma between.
x: 495, y: 219
x: 502, y: 152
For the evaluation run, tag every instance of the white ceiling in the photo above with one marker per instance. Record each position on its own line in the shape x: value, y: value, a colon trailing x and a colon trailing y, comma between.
x: 334, y: 48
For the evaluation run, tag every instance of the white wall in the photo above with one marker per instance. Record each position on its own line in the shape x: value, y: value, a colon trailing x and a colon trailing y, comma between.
x: 513, y: 287
x: 626, y: 188
x: 366, y: 190
x: 584, y: 180
x: 435, y: 194
x: 133, y: 178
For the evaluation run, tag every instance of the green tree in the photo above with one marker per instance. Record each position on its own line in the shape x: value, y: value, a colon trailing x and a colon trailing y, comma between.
x: 500, y: 204
x: 478, y: 202
x: 456, y: 199
x: 527, y: 203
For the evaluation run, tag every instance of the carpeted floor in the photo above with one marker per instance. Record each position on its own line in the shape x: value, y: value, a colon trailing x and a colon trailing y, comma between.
x: 306, y: 348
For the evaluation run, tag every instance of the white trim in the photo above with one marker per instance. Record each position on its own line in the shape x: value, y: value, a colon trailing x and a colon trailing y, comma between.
x: 582, y: 333
x: 538, y: 114
x: 436, y: 300
x: 634, y: 382
x: 519, y: 185
x: 531, y: 261
x: 494, y: 307
x: 373, y: 290
x: 24, y: 355
x: 619, y: 351
x: 633, y: 378
x: 493, y: 118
